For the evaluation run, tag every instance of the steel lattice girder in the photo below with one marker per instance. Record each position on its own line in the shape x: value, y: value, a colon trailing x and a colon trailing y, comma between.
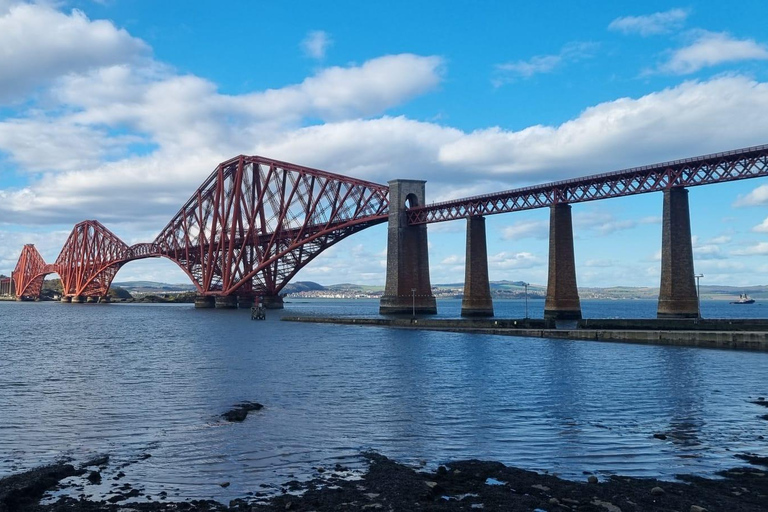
x: 89, y: 260
x: 703, y: 170
x: 30, y: 272
x: 255, y: 222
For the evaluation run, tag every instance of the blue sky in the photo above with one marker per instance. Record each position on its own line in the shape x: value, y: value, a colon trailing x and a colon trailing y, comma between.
x: 117, y: 110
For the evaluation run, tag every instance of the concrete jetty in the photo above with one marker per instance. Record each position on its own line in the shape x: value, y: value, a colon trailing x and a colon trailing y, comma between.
x: 721, y: 334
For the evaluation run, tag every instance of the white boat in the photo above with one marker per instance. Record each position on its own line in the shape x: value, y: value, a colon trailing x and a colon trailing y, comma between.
x: 744, y: 299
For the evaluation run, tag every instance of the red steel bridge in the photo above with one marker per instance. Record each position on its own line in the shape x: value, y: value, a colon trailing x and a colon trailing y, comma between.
x: 255, y: 222
x: 249, y: 228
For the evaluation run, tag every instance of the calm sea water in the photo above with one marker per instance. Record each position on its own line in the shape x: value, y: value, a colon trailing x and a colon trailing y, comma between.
x: 130, y: 380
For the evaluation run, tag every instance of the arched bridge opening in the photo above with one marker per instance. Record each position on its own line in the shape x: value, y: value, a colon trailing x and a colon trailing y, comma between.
x: 249, y: 228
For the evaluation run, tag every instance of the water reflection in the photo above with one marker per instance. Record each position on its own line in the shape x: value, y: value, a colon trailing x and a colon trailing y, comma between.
x: 135, y: 380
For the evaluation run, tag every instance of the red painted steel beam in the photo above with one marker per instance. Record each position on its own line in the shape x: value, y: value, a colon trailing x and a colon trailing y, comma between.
x: 734, y: 165
x: 255, y: 222
x: 30, y: 272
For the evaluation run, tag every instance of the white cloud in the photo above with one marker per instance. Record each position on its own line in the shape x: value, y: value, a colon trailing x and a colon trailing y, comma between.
x: 651, y: 24
x: 507, y: 260
x: 40, y: 44
x: 538, y: 64
x: 673, y: 123
x: 316, y: 44
x: 760, y: 248
x: 757, y: 197
x: 712, y: 49
x: 762, y: 227
x: 708, y: 252
x: 719, y: 240
x: 526, y: 229
x: 600, y: 264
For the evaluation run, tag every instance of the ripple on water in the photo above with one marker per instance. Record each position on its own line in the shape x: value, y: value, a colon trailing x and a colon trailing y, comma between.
x: 152, y: 380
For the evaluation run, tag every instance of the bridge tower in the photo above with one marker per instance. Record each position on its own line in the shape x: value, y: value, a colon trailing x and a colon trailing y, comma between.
x: 677, y: 293
x: 477, y: 300
x: 407, y: 287
x: 562, y: 302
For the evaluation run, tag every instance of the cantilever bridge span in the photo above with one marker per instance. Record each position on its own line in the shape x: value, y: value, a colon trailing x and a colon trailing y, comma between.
x: 249, y: 228
x: 255, y: 222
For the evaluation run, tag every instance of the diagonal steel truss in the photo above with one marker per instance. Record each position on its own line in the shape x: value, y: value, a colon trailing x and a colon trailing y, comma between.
x: 29, y: 273
x: 250, y: 227
x: 716, y: 168
x: 255, y: 222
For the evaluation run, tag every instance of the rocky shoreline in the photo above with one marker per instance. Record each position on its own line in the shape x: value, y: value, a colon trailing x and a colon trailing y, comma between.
x: 461, y: 485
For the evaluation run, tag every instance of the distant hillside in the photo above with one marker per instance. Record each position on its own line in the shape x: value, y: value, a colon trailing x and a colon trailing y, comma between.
x: 144, y: 287
x: 499, y: 289
x: 302, y: 286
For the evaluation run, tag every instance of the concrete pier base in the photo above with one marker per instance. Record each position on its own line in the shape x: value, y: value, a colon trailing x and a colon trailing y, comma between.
x: 91, y: 300
x: 272, y: 302
x: 677, y: 292
x: 66, y: 299
x: 204, y: 302
x: 78, y: 299
x: 477, y: 300
x: 226, y: 302
x: 562, y: 301
x: 244, y: 302
x: 106, y: 299
x: 407, y: 289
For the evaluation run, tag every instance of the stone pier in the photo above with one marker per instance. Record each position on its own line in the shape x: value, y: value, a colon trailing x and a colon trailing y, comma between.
x: 66, y: 299
x: 204, y: 302
x: 244, y: 302
x: 225, y: 302
x: 272, y: 302
x: 562, y: 301
x: 477, y: 289
x: 407, y: 289
x: 677, y: 293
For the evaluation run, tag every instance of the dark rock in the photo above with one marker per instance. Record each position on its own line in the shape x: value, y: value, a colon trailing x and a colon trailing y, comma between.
x: 17, y: 491
x: 101, y: 460
x: 241, y: 410
x: 757, y: 460
x: 660, y: 436
x: 94, y: 477
x: 592, y: 479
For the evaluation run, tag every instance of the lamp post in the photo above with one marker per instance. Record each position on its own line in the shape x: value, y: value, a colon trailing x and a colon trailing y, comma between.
x: 526, y: 299
x: 413, y: 301
x: 698, y: 293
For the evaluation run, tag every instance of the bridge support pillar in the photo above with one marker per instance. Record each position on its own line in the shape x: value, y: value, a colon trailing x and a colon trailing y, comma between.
x: 244, y: 302
x: 226, y: 302
x: 78, y: 299
x: 204, y: 301
x: 407, y: 289
x: 66, y: 299
x: 91, y: 300
x: 106, y: 299
x: 677, y: 293
x: 272, y: 302
x: 477, y: 289
x: 562, y: 301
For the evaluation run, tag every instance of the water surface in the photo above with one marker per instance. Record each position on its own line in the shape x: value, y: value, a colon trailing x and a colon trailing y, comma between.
x: 131, y: 380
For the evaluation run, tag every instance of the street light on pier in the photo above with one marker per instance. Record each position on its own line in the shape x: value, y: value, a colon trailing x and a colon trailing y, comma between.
x: 413, y: 301
x: 698, y: 293
x: 526, y: 299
